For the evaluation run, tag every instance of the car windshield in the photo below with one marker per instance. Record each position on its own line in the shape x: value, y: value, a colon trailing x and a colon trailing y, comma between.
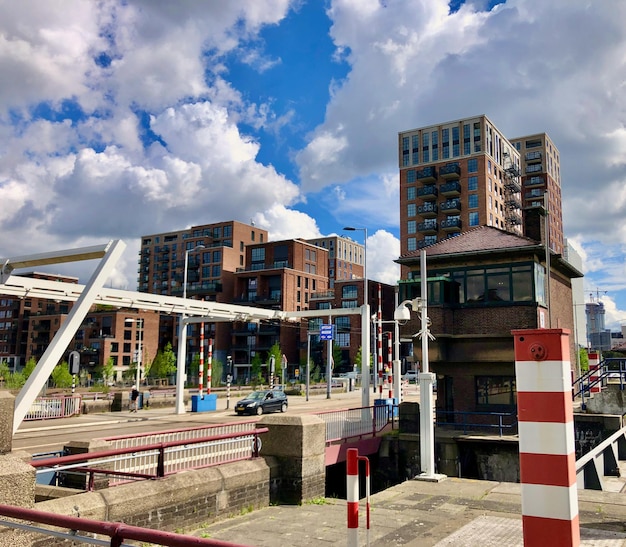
x: 257, y: 395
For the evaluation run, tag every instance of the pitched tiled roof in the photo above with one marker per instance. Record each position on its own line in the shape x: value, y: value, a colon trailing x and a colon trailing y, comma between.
x: 481, y: 238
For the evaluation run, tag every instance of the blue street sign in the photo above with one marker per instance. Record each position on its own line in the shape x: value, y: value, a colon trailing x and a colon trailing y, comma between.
x: 326, y: 332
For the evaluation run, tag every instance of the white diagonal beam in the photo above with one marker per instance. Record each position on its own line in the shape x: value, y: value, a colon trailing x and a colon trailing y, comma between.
x: 64, y: 336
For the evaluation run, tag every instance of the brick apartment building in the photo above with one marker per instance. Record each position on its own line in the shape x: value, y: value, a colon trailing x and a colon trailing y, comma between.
x: 281, y: 275
x: 465, y: 173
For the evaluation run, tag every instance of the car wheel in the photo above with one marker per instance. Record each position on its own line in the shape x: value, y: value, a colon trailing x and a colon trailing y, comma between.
x: 283, y: 407
x: 259, y: 410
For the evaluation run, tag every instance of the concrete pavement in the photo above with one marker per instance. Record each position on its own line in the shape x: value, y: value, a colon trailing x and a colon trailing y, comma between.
x: 452, y: 513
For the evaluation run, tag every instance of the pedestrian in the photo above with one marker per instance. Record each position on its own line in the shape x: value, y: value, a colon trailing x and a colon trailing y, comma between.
x: 134, y: 398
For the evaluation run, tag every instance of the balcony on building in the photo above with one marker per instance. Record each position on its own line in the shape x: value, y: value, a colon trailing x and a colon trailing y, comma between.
x: 269, y: 299
x: 451, y: 225
x: 531, y: 156
x: 322, y: 295
x: 451, y: 206
x: 428, y: 191
x: 452, y: 188
x: 427, y: 210
x: 428, y: 227
x: 535, y: 181
x: 423, y: 243
x: 204, y: 288
x: 450, y: 171
x: 427, y: 174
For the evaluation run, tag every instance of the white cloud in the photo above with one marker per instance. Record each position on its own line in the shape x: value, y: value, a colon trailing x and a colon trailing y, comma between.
x: 382, y: 249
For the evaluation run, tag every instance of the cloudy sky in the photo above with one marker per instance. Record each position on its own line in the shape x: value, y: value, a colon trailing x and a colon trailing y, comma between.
x: 127, y: 117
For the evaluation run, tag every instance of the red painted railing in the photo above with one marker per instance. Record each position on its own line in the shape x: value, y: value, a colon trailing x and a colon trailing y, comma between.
x: 117, y: 531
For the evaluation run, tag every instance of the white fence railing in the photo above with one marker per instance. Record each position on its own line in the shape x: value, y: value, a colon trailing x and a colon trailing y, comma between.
x: 44, y: 408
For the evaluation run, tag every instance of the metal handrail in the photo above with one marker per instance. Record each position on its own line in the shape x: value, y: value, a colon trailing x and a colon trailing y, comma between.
x: 117, y: 531
x: 469, y: 426
x: 77, y: 462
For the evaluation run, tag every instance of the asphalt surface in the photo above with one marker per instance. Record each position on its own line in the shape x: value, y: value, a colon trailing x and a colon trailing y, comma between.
x: 416, y: 513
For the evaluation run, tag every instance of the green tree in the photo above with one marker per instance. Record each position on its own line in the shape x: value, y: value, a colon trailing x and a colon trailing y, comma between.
x: 357, y: 360
x: 107, y: 371
x: 29, y: 367
x: 584, y: 360
x: 256, y: 377
x: 164, y: 363
x: 217, y: 369
x: 61, y: 376
x: 337, y: 356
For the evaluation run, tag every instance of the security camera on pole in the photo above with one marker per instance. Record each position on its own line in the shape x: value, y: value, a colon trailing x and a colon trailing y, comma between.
x: 426, y: 378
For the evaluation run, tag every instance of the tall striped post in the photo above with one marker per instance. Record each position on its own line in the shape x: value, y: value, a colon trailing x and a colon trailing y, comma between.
x: 594, y: 372
x: 201, y: 363
x: 352, y: 495
x: 379, y: 342
x: 209, y: 367
x: 389, y: 366
x: 546, y: 438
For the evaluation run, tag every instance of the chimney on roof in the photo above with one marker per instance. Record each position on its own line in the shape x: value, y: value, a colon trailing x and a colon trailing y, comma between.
x: 535, y: 224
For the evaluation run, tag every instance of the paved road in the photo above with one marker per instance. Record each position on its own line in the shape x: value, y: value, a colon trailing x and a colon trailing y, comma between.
x: 51, y: 435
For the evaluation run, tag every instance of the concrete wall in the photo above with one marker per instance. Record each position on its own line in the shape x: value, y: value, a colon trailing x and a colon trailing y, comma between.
x: 184, y: 501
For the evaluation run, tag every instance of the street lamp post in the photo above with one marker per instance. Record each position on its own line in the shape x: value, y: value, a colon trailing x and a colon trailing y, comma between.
x: 139, y: 350
x: 182, y: 340
x: 365, y: 353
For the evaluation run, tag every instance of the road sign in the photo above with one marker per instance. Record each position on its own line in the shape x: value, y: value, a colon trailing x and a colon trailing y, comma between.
x: 326, y: 332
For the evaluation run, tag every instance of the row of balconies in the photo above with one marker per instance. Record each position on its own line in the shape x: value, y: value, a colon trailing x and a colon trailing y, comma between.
x: 450, y: 171
x: 447, y: 225
x: 452, y: 188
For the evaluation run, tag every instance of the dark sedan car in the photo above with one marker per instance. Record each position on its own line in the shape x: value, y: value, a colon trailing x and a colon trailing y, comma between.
x: 258, y: 402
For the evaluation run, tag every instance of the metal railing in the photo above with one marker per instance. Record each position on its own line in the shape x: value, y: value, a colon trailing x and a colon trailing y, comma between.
x: 157, y: 460
x: 116, y: 531
x: 45, y: 408
x: 355, y: 422
x: 601, y: 461
x: 504, y: 422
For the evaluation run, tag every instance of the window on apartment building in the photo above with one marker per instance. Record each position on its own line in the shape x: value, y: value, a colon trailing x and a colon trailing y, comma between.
x: 342, y: 322
x: 128, y: 335
x: 472, y: 201
x: 405, y: 151
x: 472, y: 165
x: 342, y: 339
x: 411, y: 193
x: 411, y: 227
x: 298, y: 298
x: 472, y: 183
x: 217, y: 256
x: 435, y: 145
x: 349, y: 291
x: 349, y: 304
x: 115, y: 347
x: 411, y: 244
x: 216, y: 270
x: 533, y: 144
x: 496, y: 391
x: 206, y: 258
x: 410, y: 176
x: 473, y: 218
x: 126, y: 348
x: 411, y: 209
x: 415, y: 151
x: 228, y: 231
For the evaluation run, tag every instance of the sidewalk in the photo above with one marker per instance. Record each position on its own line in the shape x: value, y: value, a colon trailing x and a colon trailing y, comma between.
x: 453, y: 513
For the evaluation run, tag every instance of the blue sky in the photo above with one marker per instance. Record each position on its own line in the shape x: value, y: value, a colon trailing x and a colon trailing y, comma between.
x: 123, y: 118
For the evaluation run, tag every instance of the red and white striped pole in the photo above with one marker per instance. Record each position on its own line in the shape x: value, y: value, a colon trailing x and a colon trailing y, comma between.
x: 352, y: 488
x: 546, y: 438
x: 201, y: 362
x: 209, y: 369
x: 389, y: 365
x: 379, y: 342
x: 594, y: 365
x: 352, y: 491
